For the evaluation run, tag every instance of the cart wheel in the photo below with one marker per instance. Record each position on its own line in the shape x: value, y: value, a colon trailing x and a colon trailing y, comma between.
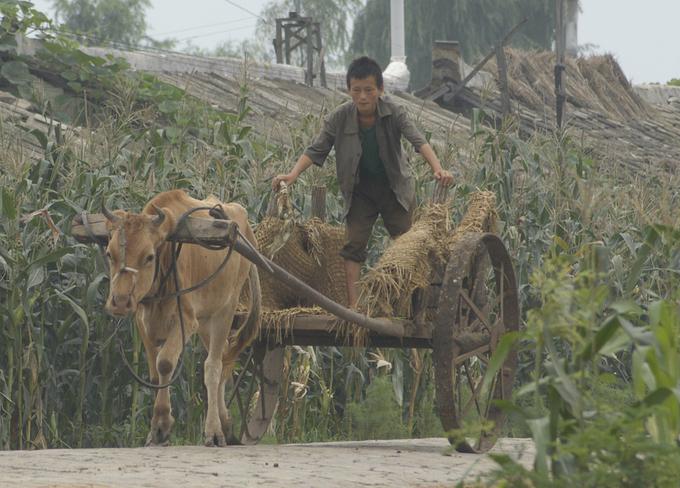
x: 254, y: 396
x: 478, y: 303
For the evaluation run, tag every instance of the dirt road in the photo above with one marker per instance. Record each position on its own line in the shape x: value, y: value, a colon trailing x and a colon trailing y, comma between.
x: 416, y: 463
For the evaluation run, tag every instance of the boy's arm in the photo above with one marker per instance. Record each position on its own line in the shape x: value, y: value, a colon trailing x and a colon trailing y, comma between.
x: 301, y: 165
x: 413, y: 135
x: 440, y: 174
x: 316, y: 153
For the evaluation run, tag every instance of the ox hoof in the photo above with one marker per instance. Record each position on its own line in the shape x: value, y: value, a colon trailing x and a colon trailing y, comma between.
x: 215, y: 440
x: 158, y: 438
x: 228, y: 432
x: 233, y: 441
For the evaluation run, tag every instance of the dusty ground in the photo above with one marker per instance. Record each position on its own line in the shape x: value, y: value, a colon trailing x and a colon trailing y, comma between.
x: 417, y: 463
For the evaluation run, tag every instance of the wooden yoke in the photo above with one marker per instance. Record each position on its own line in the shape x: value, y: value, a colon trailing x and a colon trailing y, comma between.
x: 214, y: 232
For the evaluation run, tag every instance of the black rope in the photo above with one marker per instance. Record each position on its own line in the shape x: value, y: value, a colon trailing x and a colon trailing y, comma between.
x: 233, y: 230
x: 239, y: 378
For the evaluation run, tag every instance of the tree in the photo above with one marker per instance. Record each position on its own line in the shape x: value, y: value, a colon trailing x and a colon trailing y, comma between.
x: 477, y: 24
x: 101, y: 22
x: 334, y: 18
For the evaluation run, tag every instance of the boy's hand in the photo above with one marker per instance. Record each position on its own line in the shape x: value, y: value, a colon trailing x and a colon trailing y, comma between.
x: 444, y: 177
x: 288, y: 179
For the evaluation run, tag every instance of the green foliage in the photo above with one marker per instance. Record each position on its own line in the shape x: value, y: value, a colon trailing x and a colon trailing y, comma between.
x: 102, y: 22
x: 610, y: 452
x: 477, y: 25
x: 674, y: 82
x: 378, y: 416
x: 580, y: 434
x: 17, y: 18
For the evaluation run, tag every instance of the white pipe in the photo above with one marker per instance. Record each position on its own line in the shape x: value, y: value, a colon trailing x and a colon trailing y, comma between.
x: 398, y: 50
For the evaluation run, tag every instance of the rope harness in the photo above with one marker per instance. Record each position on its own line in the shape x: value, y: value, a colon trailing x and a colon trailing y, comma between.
x: 233, y: 233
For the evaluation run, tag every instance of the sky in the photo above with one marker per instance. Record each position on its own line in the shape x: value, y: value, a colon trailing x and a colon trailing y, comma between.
x: 641, y: 35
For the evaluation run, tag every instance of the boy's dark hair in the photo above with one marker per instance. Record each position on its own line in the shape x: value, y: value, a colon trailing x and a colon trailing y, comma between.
x: 363, y: 67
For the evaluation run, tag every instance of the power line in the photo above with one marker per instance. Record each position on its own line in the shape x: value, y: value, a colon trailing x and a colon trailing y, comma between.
x: 245, y: 10
x: 221, y: 31
x: 200, y: 27
x: 125, y: 46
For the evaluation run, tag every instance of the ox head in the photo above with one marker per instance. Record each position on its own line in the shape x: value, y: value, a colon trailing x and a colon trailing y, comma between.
x: 132, y: 252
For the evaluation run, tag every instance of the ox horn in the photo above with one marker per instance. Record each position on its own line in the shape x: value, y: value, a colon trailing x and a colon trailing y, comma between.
x: 109, y: 215
x: 160, y: 216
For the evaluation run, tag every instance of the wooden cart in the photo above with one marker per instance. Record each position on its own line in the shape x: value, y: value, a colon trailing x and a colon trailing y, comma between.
x: 473, y: 300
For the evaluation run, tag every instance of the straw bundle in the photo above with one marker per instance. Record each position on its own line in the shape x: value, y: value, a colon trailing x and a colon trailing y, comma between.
x: 596, y: 83
x: 408, y: 264
x: 480, y: 216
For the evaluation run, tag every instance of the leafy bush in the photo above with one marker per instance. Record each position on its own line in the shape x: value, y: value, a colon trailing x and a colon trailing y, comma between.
x: 581, y: 436
x: 378, y: 416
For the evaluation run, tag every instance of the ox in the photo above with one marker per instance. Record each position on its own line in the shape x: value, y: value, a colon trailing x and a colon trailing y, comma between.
x: 139, y: 256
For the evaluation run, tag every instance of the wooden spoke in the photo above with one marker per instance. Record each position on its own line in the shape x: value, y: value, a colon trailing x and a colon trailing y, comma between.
x: 474, y: 389
x: 257, y: 395
x: 479, y: 352
x: 244, y: 414
x: 475, y: 309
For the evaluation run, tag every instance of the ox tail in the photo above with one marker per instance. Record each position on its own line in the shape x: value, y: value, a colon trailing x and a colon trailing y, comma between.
x: 250, y: 329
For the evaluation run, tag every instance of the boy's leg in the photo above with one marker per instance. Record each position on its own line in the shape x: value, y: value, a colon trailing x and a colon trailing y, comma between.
x: 397, y: 220
x: 352, y: 273
x: 360, y: 219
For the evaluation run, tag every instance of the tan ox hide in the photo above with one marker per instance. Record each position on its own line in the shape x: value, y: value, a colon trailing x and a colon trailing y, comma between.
x: 139, y: 256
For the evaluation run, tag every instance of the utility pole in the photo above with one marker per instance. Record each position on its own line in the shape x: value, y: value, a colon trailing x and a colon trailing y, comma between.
x: 560, y: 45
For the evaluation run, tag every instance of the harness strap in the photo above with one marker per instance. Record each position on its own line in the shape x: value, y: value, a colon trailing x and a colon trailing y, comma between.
x: 233, y: 233
x: 180, y: 360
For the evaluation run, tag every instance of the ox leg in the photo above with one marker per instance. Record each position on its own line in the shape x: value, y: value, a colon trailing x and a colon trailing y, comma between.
x: 214, y: 378
x: 150, y: 348
x: 166, y: 361
x: 226, y: 380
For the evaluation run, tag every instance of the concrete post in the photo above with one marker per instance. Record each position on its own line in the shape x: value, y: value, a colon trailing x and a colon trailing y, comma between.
x: 571, y: 27
x: 396, y: 75
x: 397, y: 32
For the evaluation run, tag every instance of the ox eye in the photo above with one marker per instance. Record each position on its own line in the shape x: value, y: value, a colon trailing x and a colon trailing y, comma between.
x: 148, y: 259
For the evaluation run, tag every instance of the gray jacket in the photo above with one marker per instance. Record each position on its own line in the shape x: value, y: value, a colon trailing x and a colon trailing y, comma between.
x: 341, y: 129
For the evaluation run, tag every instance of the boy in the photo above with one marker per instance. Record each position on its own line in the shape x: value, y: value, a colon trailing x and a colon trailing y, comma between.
x: 372, y: 170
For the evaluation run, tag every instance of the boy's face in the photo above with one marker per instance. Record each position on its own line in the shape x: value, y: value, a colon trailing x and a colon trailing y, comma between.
x: 365, y: 94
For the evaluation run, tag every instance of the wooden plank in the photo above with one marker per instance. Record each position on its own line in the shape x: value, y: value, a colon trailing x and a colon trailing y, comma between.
x: 502, y: 64
x: 326, y: 323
